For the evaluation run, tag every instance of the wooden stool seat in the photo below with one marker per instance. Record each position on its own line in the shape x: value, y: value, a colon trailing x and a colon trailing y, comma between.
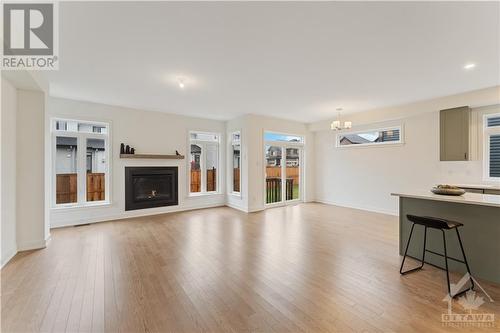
x: 433, y: 222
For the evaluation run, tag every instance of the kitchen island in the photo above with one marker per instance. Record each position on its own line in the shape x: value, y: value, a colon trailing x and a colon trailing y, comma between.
x: 480, y: 214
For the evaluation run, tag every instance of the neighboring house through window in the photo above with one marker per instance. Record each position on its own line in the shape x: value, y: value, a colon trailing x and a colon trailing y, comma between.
x: 392, y: 135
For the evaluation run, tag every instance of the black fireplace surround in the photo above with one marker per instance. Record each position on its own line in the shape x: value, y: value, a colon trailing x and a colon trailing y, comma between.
x: 149, y: 187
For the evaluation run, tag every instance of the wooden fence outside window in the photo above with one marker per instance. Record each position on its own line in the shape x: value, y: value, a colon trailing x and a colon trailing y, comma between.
x: 196, y: 180
x: 236, y: 180
x: 291, y: 172
x: 67, y: 191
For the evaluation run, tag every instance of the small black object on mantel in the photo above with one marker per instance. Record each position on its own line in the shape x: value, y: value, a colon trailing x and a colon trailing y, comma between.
x: 127, y: 149
x: 177, y: 153
x: 132, y: 151
x: 122, y: 148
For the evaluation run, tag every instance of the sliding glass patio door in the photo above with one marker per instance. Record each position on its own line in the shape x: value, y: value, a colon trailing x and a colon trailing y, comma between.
x: 282, y: 173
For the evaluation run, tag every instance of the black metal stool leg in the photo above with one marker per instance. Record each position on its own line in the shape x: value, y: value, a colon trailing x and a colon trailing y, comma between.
x: 406, y: 250
x: 465, y: 259
x: 446, y: 263
x: 425, y: 247
x: 406, y: 253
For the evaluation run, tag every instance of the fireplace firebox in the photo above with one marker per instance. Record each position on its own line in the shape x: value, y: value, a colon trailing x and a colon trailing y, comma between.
x: 149, y: 187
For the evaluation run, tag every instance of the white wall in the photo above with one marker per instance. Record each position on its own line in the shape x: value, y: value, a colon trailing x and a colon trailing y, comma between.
x: 22, y: 164
x: 148, y: 132
x: 364, y: 177
x: 8, y: 171
x: 31, y: 230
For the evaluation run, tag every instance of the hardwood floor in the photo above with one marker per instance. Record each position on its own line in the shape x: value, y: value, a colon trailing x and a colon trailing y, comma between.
x: 310, y: 267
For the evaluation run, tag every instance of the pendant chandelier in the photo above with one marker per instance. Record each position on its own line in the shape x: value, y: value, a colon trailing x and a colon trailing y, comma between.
x: 336, y: 125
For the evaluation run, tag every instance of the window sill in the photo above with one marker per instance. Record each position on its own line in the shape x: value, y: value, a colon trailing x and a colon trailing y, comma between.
x: 83, y: 206
x: 493, y: 181
x: 235, y: 194
x: 371, y: 145
x: 203, y: 194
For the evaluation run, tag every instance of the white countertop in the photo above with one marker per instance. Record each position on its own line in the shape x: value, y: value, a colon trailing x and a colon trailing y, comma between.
x: 468, y: 198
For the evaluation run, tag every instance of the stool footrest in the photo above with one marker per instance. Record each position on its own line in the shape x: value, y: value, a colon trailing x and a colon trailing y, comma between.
x: 442, y: 255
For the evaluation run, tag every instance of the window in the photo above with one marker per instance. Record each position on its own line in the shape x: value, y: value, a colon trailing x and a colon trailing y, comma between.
x: 80, y: 162
x: 391, y: 135
x: 204, y: 162
x: 270, y: 136
x: 66, y: 169
x: 492, y: 147
x: 283, y: 168
x: 236, y: 162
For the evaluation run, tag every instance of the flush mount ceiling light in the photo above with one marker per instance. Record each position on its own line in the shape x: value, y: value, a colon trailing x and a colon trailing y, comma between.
x: 336, y: 125
x: 469, y: 66
x: 180, y: 82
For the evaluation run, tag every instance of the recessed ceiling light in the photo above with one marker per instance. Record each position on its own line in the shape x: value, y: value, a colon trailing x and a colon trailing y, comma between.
x: 469, y: 66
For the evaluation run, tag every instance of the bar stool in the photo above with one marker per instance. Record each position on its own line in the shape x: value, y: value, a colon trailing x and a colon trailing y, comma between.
x: 441, y: 224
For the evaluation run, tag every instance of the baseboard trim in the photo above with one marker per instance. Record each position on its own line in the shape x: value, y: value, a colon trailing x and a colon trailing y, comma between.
x: 32, y: 245
x: 242, y: 209
x: 8, y: 258
x: 115, y: 217
x: 368, y: 209
x: 256, y: 209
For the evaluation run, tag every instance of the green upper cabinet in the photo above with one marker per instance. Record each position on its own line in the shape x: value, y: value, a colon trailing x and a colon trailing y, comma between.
x: 454, y: 138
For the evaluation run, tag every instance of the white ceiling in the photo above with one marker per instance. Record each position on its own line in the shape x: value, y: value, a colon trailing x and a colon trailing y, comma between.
x: 291, y: 60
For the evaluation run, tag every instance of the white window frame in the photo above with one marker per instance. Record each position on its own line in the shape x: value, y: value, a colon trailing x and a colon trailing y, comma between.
x: 372, y: 144
x: 233, y: 143
x: 283, y: 145
x: 487, y: 133
x: 203, y: 162
x: 81, y: 138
